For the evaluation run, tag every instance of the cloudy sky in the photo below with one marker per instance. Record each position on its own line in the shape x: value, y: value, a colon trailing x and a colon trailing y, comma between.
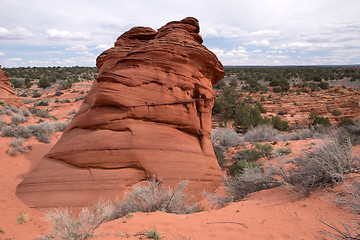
x: 239, y: 32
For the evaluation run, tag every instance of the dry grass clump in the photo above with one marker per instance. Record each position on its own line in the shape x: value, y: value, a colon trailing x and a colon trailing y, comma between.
x: 154, y: 197
x: 66, y: 226
x: 17, y: 146
x: 22, y: 218
x: 324, y: 166
x: 150, y: 198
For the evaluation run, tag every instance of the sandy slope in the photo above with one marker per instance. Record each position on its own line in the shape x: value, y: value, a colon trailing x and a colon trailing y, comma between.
x: 269, y: 214
x: 11, y: 173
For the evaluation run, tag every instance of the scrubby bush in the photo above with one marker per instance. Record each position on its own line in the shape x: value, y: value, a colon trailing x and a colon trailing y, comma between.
x: 16, y: 83
x: 36, y: 94
x: 346, y: 122
x: 322, y: 121
x: 65, y: 226
x: 262, y: 133
x: 9, y: 110
x: 304, y: 133
x: 154, y: 197
x: 336, y: 112
x: 21, y: 117
x: 245, y: 159
x: 312, y: 115
x: 282, y: 152
x: 324, y: 166
x: 58, y: 93
x: 251, y: 180
x: 44, y: 82
x: 16, y: 146
x: 324, y: 85
x: 279, y: 124
x: 246, y: 116
x: 16, y: 132
x: 239, y: 166
x: 220, y: 156
x: 264, y: 149
x: 219, y: 85
x: 42, y: 103
x: 225, y: 137
x: 249, y: 155
x: 40, y: 131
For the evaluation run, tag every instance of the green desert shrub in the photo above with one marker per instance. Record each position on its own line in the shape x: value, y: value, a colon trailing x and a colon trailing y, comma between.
x: 42, y: 103
x: 16, y: 83
x: 44, y: 83
x: 279, y: 124
x: 336, y: 112
x: 322, y: 121
x: 264, y: 149
x: 36, y: 94
x: 346, y: 122
x: 312, y: 115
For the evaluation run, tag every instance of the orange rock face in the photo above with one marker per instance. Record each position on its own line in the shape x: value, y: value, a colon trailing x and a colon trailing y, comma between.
x: 147, y: 115
x: 7, y: 94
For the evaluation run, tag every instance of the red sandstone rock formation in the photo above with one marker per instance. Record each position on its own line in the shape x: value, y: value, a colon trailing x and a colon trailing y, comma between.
x: 7, y: 94
x: 147, y: 115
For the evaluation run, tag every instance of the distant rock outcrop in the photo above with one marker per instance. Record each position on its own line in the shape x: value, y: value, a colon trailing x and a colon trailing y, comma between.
x: 148, y: 114
x: 7, y: 94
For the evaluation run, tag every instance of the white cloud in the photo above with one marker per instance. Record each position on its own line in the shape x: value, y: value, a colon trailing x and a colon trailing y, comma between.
x: 102, y: 47
x: 266, y: 33
x: 38, y: 63
x: 327, y: 30
x: 262, y: 43
x: 15, y: 59
x: 78, y: 48
x: 2, y: 54
x: 15, y: 34
x: 55, y: 34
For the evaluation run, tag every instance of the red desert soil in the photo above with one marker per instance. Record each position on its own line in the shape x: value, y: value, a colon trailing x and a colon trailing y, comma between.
x: 269, y: 214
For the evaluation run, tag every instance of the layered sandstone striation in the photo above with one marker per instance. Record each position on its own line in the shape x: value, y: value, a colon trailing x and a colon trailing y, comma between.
x: 7, y: 94
x: 148, y: 114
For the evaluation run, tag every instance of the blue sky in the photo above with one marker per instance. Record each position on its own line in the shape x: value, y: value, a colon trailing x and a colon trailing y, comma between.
x: 239, y: 32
